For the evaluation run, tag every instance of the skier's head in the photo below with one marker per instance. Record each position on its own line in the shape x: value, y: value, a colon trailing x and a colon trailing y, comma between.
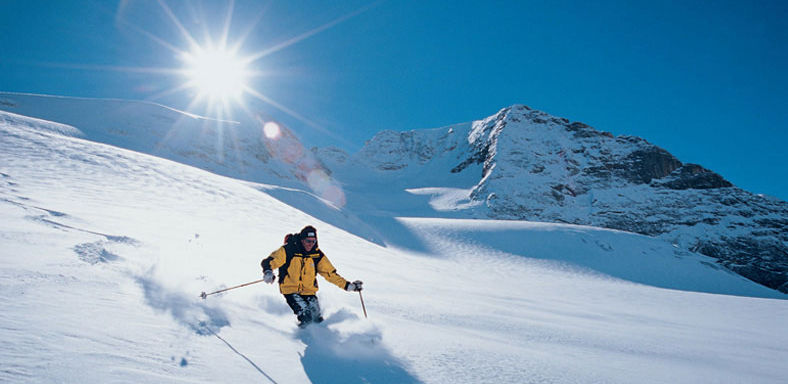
x: 308, y: 237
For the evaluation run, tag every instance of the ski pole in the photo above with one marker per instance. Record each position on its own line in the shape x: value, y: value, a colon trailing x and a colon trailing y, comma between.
x: 204, y: 295
x: 362, y: 304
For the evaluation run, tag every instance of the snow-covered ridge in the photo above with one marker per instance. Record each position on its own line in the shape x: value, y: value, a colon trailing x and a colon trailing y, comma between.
x: 39, y: 124
x: 397, y: 150
x: 236, y: 148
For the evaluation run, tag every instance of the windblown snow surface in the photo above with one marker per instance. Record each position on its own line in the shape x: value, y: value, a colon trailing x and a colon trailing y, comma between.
x: 104, y: 252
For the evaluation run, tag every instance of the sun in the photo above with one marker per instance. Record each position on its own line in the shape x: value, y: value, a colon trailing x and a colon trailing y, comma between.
x: 217, y: 74
x: 214, y: 71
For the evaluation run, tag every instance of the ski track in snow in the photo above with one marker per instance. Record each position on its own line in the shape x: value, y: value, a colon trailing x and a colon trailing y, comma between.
x: 105, y: 252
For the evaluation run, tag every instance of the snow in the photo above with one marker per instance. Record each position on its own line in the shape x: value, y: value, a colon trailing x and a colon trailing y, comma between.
x: 105, y: 251
x: 446, y: 199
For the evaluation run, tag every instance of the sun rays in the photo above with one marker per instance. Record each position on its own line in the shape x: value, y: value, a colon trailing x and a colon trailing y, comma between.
x: 215, y: 73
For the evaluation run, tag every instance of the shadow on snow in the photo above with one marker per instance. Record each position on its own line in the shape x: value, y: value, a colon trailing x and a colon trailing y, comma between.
x: 198, y: 316
x: 331, y: 357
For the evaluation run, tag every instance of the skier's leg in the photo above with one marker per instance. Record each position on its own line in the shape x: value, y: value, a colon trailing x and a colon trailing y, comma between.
x: 314, y: 308
x: 300, y: 307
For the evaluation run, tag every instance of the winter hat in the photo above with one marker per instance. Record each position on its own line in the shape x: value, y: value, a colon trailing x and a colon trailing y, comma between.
x: 308, y: 231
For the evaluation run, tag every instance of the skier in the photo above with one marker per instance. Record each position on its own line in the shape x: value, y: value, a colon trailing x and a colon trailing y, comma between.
x: 299, y: 261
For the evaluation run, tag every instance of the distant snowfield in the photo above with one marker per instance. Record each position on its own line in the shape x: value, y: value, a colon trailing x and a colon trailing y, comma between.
x: 105, y: 251
x: 446, y: 199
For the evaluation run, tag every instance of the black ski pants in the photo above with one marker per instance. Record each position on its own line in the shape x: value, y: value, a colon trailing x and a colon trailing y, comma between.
x: 305, y: 307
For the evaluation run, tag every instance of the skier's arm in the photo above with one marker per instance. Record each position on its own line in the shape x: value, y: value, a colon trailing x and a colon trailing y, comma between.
x: 275, y: 260
x: 327, y: 270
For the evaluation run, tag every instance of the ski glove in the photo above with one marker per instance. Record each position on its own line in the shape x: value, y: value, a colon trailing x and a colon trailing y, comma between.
x: 354, y: 286
x: 268, y: 276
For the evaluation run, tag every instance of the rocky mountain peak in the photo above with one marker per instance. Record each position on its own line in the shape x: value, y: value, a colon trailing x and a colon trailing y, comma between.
x: 535, y: 166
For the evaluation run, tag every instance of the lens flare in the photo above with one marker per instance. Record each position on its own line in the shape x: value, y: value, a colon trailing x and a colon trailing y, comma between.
x: 326, y: 187
x: 284, y: 146
x: 271, y: 130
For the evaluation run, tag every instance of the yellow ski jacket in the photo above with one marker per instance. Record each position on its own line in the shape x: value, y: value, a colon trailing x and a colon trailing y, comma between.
x: 298, y: 269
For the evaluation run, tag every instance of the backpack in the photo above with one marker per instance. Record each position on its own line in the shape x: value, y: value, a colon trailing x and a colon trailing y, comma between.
x: 291, y: 238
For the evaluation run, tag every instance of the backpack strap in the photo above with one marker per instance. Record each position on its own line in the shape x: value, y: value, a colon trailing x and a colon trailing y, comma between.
x: 290, y: 249
x: 319, y: 258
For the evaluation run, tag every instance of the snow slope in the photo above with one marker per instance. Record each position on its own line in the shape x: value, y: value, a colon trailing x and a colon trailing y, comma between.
x: 104, y: 252
x: 519, y: 164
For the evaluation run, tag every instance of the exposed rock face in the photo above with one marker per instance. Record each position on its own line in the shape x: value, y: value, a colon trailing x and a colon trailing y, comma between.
x: 693, y: 176
x: 539, y: 167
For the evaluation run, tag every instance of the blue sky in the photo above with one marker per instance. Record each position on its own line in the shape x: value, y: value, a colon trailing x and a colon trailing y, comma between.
x: 705, y: 80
